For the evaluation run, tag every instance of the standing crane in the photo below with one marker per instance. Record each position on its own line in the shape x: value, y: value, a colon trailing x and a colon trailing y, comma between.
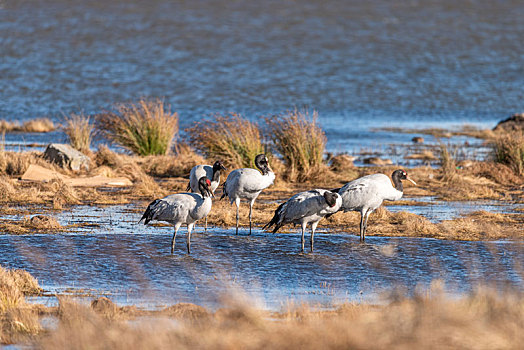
x: 181, y: 208
x: 247, y: 183
x: 304, y: 208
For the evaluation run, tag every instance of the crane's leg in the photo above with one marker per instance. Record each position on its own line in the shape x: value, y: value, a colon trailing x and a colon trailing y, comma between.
x: 304, y: 224
x: 362, y: 226
x: 177, y: 226
x: 250, y: 212
x: 205, y: 227
x: 313, y: 228
x: 237, y: 203
x: 366, y: 223
x: 188, y: 238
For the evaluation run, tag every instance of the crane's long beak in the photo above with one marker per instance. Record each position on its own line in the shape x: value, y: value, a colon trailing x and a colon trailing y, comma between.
x: 410, y: 180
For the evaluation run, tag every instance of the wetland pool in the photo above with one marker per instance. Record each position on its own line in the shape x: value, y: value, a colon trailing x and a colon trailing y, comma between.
x: 131, y: 264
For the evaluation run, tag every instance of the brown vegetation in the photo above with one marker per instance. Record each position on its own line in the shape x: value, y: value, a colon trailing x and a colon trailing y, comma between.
x: 35, y: 125
x: 79, y: 130
x: 483, y: 319
x: 429, y: 319
x: 466, y: 130
x: 509, y: 150
x: 18, y: 319
x: 144, y: 128
x: 299, y: 140
x: 230, y: 138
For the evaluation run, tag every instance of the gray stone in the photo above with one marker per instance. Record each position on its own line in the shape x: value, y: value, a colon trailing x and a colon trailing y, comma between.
x: 66, y: 156
x: 513, y: 123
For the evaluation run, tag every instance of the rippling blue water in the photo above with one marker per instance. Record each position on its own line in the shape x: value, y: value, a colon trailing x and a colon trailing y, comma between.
x: 133, y: 263
x: 359, y: 63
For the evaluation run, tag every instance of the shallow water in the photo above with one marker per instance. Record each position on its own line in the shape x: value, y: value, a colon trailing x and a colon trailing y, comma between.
x: 132, y: 263
x: 436, y: 210
x: 360, y: 64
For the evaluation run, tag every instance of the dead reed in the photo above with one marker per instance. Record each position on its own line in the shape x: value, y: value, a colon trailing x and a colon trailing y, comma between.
x: 79, y: 130
x: 16, y: 163
x: 300, y: 141
x: 144, y: 128
x: 18, y: 320
x: 448, y: 163
x: 35, y: 125
x: 483, y: 319
x: 230, y: 138
x: 508, y: 149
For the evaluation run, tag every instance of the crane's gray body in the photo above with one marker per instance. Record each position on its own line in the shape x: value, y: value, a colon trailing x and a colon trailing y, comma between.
x: 181, y: 208
x: 247, y: 183
x: 368, y: 193
x: 203, y: 170
x: 305, y: 208
x: 178, y: 209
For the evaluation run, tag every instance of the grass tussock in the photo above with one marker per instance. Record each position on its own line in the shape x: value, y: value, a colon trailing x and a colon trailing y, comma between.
x: 144, y: 186
x: 144, y: 128
x: 79, y: 130
x: 301, y: 142
x: 483, y: 319
x: 448, y: 163
x: 508, y: 149
x: 18, y: 320
x: 30, y: 225
x: 39, y: 125
x: 16, y: 163
x: 234, y: 140
x: 178, y: 165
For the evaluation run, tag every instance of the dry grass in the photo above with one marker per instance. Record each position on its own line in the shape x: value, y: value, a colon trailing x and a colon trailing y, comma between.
x: 448, y: 163
x: 79, y: 130
x: 297, y: 137
x: 429, y: 320
x: 35, y: 125
x: 232, y: 139
x: 144, y: 128
x: 16, y: 163
x: 144, y: 186
x: 508, y: 149
x: 38, y: 125
x: 31, y: 224
x: 178, y: 165
x: 18, y: 320
x: 465, y: 130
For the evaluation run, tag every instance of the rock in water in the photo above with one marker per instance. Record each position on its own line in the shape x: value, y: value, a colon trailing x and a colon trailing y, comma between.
x: 513, y: 123
x: 66, y: 156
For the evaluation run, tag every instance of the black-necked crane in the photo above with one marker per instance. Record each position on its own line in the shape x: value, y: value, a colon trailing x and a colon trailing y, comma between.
x: 211, y: 172
x: 304, y: 208
x: 367, y: 193
x: 181, y: 208
x: 247, y: 183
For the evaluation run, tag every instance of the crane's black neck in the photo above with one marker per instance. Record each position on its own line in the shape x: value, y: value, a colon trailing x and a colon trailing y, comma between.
x: 397, y: 182
x: 216, y: 173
